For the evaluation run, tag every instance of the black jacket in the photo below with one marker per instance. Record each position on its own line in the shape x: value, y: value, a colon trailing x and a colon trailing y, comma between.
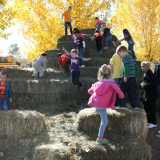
x: 150, y: 88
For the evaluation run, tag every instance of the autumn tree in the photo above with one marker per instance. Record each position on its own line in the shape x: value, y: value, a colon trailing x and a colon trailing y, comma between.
x: 42, y: 24
x: 142, y: 19
x: 6, y: 16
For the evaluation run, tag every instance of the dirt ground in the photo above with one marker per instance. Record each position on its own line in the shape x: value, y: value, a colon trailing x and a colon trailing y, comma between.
x: 153, y: 139
x: 61, y: 131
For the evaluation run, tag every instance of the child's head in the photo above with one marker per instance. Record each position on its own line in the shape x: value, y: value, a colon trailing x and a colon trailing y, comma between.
x: 122, y: 51
x: 69, y: 8
x: 104, y: 72
x: 145, y: 66
x: 76, y: 33
x: 103, y: 26
x: 96, y: 31
x: 59, y: 54
x: 125, y: 31
x: 106, y: 31
x: 96, y: 18
x: 3, y: 77
x: 44, y: 55
x: 74, y: 53
x: 75, y: 29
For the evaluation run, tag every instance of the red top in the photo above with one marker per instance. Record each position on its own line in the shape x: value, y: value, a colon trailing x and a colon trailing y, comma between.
x: 3, y: 90
x: 97, y: 35
x: 98, y: 22
x: 63, y: 59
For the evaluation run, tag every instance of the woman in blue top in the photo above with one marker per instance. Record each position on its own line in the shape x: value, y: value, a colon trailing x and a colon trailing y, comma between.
x: 128, y: 38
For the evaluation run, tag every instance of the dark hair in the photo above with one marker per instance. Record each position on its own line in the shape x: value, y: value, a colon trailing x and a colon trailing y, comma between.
x: 59, y: 54
x: 69, y: 6
x: 96, y: 31
x: 4, y: 74
x: 121, y: 48
x: 75, y: 29
x: 43, y: 54
x: 106, y: 32
x: 125, y: 31
x: 96, y: 18
x: 76, y: 32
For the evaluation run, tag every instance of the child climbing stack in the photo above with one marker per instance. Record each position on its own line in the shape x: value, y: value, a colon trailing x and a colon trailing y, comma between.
x: 103, y: 95
x: 98, y: 38
x: 75, y: 70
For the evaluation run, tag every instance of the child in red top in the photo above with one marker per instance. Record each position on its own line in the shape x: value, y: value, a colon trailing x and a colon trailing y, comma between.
x: 98, y: 38
x: 5, y: 92
x: 98, y: 23
x: 65, y: 61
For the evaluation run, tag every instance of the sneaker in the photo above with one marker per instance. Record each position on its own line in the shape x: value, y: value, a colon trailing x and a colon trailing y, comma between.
x: 100, y: 52
x: 105, y: 47
x: 148, y: 124
x: 82, y: 88
x: 82, y: 66
x: 114, y: 44
x: 96, y: 112
x: 102, y: 141
x: 41, y: 77
x: 76, y: 87
x: 152, y: 125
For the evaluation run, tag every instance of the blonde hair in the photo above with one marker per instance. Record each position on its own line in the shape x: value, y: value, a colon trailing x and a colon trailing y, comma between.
x: 146, y: 63
x: 104, y: 72
x: 76, y: 52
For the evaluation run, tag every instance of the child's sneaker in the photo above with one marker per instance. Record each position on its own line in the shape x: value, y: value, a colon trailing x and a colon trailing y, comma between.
x: 105, y: 47
x: 83, y: 66
x: 152, y: 125
x: 102, y: 141
x: 114, y: 44
x: 100, y: 52
x: 82, y: 88
x: 76, y: 87
x: 96, y: 112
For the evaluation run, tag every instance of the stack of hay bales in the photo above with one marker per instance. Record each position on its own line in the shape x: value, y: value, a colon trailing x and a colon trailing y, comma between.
x: 17, y: 126
x: 126, y: 129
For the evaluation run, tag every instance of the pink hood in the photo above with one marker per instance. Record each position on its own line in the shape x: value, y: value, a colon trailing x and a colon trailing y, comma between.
x: 103, y: 94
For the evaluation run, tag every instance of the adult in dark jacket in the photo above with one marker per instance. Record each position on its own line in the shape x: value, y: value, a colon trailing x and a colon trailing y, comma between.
x: 149, y: 94
x: 157, y: 75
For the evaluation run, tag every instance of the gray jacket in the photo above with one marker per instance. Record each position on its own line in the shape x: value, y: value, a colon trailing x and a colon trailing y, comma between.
x: 41, y: 61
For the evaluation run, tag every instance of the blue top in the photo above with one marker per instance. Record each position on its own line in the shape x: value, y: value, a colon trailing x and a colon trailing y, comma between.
x: 8, y: 91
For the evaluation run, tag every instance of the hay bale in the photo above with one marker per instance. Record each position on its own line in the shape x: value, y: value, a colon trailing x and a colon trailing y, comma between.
x: 123, y: 120
x: 134, y: 149
x: 51, y: 151
x: 20, y: 124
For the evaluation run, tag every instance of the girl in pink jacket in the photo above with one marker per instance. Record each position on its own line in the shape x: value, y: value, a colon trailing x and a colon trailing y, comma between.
x: 103, y: 95
x: 74, y: 38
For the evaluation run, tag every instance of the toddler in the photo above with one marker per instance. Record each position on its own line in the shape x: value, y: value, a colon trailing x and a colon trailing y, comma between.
x: 75, y: 70
x: 103, y: 95
x: 5, y: 92
x: 98, y: 38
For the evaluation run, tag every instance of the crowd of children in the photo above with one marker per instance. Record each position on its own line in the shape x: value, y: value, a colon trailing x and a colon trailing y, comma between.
x: 107, y: 92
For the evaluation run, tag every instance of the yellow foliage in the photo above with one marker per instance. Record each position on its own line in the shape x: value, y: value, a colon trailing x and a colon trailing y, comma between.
x: 6, y: 16
x: 142, y: 19
x: 42, y: 24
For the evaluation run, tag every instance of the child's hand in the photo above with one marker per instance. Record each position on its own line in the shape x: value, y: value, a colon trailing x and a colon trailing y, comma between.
x: 83, y: 49
x: 89, y: 59
x: 64, y: 49
x: 10, y: 100
x: 125, y: 79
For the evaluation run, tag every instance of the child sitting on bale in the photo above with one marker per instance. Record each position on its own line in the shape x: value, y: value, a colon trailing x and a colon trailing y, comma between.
x: 5, y: 92
x: 65, y: 60
x: 40, y: 66
x: 103, y: 95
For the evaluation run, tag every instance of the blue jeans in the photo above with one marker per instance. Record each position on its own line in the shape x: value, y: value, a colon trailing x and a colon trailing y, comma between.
x: 131, y: 49
x: 81, y: 54
x: 104, y: 121
x: 158, y: 88
x: 3, y: 104
x: 99, y: 27
x: 108, y: 40
x: 130, y: 88
x: 123, y: 102
x: 69, y: 24
x: 75, y: 78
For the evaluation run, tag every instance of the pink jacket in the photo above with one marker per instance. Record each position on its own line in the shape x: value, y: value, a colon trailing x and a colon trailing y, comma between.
x: 103, y: 94
x: 80, y: 34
